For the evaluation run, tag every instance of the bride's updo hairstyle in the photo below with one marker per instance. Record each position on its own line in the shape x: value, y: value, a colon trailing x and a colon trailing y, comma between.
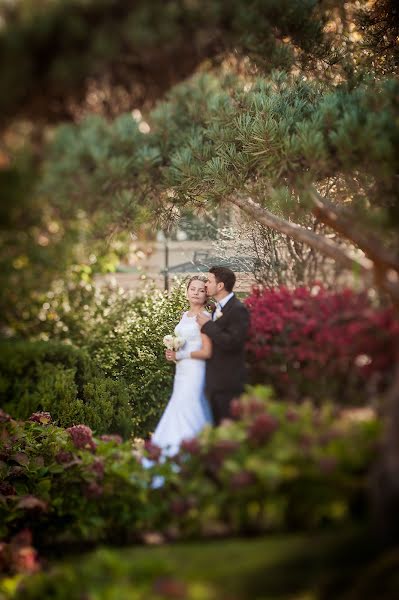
x: 197, y: 278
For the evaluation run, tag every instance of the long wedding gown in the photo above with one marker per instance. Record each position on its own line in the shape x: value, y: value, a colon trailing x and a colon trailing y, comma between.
x: 187, y: 411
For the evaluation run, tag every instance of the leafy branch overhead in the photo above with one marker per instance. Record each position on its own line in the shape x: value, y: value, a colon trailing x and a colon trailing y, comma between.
x: 52, y: 54
x: 281, y: 149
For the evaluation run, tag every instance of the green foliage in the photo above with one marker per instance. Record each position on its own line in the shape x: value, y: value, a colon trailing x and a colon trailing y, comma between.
x: 277, y: 467
x: 286, y: 566
x: 81, y: 492
x: 123, y: 334
x: 43, y: 242
x: 133, y: 351
x: 91, y: 39
x: 116, y: 157
x: 72, y: 311
x: 61, y: 379
x: 272, y: 138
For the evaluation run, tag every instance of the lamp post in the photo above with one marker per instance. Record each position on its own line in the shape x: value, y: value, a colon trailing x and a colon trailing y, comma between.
x: 162, y: 236
x: 166, y: 270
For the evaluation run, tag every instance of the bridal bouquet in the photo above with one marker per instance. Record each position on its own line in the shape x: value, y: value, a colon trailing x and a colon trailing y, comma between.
x: 173, y: 342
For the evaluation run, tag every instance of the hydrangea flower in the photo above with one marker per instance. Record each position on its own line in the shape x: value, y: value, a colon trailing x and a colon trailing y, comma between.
x: 44, y: 418
x: 93, y: 490
x: 111, y: 437
x: 82, y: 437
x: 97, y: 467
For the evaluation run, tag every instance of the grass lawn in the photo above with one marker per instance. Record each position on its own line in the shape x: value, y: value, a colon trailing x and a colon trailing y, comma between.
x: 327, y: 566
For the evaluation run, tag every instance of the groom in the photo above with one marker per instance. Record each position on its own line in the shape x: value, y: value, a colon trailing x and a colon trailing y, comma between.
x: 228, y: 330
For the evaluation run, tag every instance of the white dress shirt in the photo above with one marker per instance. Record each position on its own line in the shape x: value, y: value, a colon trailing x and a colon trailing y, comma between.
x: 222, y: 303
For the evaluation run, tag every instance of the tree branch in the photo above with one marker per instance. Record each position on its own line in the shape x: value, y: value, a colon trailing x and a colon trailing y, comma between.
x: 301, y: 234
x: 334, y: 217
x: 363, y: 265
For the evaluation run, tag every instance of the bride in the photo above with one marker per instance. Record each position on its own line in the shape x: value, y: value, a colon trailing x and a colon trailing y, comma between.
x: 187, y: 411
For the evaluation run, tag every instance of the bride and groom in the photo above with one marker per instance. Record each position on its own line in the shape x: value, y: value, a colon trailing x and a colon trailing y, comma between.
x: 210, y: 368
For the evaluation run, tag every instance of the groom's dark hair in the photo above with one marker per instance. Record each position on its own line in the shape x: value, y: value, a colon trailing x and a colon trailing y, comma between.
x: 224, y: 275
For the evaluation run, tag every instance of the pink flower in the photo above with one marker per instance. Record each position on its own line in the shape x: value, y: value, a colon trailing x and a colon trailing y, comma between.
x: 236, y: 408
x: 255, y: 406
x: 262, y: 428
x: 93, y: 490
x: 291, y: 415
x: 82, y: 437
x: 97, y: 467
x: 191, y: 446
x: 153, y: 451
x: 64, y: 457
x: 44, y: 418
x: 111, y: 437
x: 242, y: 479
x: 25, y: 560
x: 4, y: 417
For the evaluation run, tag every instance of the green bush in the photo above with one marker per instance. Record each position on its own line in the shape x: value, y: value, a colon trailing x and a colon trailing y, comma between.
x: 123, y: 333
x: 278, y: 467
x: 63, y: 380
x: 133, y: 351
x: 65, y: 486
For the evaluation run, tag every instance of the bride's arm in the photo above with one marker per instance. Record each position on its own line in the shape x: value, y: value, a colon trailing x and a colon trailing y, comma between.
x: 205, y: 350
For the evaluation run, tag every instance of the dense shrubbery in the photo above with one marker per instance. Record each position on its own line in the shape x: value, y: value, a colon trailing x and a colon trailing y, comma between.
x: 123, y: 334
x: 62, y: 379
x: 278, y: 466
x: 305, y: 343
x: 133, y: 350
x: 310, y: 342
x: 64, y: 486
x: 72, y: 310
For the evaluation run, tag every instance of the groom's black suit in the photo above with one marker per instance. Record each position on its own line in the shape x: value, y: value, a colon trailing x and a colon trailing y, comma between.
x: 225, y: 370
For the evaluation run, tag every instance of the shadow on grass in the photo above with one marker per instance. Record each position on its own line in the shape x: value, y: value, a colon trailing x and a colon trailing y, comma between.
x: 346, y: 565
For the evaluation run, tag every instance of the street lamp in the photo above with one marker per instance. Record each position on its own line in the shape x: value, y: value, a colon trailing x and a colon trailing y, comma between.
x: 162, y: 236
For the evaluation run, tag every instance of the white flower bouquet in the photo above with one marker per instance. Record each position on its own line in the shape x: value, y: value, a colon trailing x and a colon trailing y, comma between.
x: 173, y: 342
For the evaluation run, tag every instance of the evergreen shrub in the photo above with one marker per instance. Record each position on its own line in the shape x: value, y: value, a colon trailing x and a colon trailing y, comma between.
x: 123, y: 334
x: 133, y: 350
x: 61, y: 379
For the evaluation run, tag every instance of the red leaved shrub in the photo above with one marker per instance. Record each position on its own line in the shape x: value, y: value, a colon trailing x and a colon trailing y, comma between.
x: 317, y: 343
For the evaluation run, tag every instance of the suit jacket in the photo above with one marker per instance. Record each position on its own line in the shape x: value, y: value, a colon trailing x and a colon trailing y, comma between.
x: 225, y: 370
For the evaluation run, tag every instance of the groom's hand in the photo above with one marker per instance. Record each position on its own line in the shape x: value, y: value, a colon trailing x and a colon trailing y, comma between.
x: 202, y: 319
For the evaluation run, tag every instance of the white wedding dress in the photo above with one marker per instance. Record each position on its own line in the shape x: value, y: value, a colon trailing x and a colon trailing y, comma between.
x: 187, y: 411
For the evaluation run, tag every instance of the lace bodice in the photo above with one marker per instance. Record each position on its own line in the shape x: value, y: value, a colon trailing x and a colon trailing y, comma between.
x: 189, y: 330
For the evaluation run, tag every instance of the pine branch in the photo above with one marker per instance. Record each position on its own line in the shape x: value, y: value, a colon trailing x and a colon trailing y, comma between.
x: 321, y: 243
